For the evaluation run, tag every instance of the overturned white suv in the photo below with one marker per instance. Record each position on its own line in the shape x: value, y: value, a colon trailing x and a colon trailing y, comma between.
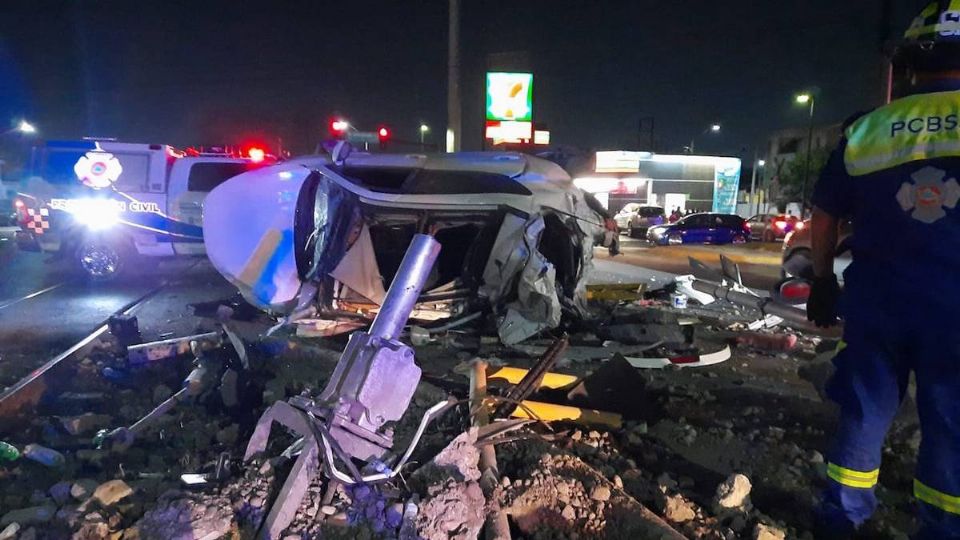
x: 319, y: 238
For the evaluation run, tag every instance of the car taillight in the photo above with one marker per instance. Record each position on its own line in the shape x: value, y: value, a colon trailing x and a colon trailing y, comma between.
x: 795, y: 290
x: 21, y: 210
x: 799, y: 225
x: 780, y: 224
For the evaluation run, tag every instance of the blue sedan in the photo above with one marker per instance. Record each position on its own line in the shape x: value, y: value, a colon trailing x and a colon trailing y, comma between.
x: 702, y: 229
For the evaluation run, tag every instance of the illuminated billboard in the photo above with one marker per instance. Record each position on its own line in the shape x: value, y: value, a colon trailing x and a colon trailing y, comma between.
x: 510, y: 96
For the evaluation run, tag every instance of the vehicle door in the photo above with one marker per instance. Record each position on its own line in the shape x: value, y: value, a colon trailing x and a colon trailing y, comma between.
x: 694, y: 229
x: 727, y: 227
x: 190, y: 182
x: 758, y: 225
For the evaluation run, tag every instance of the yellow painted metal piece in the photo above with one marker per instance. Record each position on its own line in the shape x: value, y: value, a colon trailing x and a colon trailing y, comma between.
x: 258, y: 260
x: 549, y: 412
x: 550, y: 380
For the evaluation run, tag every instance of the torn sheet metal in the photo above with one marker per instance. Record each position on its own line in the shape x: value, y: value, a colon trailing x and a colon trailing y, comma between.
x: 359, y: 269
x: 682, y: 361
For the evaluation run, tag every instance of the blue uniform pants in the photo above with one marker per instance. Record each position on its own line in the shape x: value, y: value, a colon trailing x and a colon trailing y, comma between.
x: 881, y: 346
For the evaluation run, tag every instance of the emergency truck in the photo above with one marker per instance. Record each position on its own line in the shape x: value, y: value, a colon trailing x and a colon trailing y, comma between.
x: 102, y: 205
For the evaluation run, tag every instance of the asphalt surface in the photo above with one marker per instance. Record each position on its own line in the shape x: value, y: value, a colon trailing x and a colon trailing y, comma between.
x: 45, y: 309
x: 759, y: 262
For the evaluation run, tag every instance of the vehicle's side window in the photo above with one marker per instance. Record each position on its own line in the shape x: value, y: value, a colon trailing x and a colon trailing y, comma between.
x: 206, y: 176
x: 136, y: 167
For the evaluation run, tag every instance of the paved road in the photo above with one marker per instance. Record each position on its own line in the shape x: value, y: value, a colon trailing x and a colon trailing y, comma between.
x: 64, y: 309
x: 44, y: 309
x: 759, y: 262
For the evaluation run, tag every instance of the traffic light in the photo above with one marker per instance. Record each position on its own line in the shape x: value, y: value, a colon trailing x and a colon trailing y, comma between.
x: 384, y: 135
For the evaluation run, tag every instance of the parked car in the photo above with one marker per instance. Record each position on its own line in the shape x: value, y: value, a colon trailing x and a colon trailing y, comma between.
x: 635, y: 219
x: 702, y: 229
x: 798, y: 254
x: 770, y: 228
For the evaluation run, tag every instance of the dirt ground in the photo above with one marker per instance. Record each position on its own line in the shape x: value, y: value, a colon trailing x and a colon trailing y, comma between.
x: 734, y: 450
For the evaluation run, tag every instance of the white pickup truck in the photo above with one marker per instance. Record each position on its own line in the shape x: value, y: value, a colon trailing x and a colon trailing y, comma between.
x: 106, y: 204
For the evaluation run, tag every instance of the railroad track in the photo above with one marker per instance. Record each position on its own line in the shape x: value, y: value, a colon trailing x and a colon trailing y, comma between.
x: 54, y: 376
x: 32, y: 295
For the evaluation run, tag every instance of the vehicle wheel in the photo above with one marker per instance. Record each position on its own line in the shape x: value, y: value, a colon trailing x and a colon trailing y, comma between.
x: 739, y: 239
x: 768, y: 236
x: 674, y: 240
x: 102, y: 259
x: 798, y: 263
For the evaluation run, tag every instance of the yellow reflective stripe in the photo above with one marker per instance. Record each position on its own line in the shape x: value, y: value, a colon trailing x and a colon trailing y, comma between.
x: 913, y: 128
x: 925, y: 493
x: 841, y: 345
x: 932, y: 29
x: 852, y: 478
x: 930, y: 10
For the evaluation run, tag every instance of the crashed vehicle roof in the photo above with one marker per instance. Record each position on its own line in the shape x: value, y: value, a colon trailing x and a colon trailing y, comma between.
x: 477, y: 179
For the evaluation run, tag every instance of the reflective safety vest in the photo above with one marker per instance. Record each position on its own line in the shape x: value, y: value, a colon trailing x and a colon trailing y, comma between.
x: 914, y: 128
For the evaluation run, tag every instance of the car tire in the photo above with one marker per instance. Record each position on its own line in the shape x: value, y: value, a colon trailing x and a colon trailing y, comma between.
x: 102, y: 259
x: 739, y: 239
x: 801, y: 261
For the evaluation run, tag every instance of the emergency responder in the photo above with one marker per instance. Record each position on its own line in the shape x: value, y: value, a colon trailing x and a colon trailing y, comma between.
x: 895, y: 175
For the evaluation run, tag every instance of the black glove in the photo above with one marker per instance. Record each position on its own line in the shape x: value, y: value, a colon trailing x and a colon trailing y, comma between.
x: 822, y: 304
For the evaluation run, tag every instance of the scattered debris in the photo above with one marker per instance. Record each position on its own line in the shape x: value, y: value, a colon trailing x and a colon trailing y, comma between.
x: 734, y: 492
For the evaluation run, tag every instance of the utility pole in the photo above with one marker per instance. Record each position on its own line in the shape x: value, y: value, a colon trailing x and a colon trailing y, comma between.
x: 753, y: 184
x: 454, y: 126
x: 806, y: 165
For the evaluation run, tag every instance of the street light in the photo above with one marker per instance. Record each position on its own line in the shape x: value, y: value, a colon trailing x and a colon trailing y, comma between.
x: 758, y: 163
x: 714, y: 128
x: 23, y: 127
x: 26, y: 127
x: 806, y: 98
x: 424, y: 129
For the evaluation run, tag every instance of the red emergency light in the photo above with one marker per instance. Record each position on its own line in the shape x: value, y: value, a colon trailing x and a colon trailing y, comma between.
x: 256, y: 155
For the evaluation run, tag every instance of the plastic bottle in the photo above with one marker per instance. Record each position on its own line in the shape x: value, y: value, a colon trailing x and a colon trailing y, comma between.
x: 8, y: 452
x: 44, y: 455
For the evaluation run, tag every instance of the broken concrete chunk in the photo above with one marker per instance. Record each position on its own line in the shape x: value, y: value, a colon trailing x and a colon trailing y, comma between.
x: 83, y: 488
x: 734, y: 492
x: 458, y: 461
x: 454, y: 510
x: 112, y: 492
x: 31, y: 515
x: 86, y: 423
x: 92, y: 530
x: 10, y: 531
x: 678, y: 509
x: 187, y: 519
x: 767, y: 532
x: 600, y: 493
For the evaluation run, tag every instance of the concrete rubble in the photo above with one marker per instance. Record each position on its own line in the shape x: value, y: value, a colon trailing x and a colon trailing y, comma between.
x: 727, y: 451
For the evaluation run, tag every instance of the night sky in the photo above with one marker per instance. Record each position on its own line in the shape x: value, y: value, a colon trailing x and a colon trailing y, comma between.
x: 210, y: 72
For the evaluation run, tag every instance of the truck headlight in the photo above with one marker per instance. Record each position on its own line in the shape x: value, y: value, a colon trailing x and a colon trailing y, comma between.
x: 95, y: 214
